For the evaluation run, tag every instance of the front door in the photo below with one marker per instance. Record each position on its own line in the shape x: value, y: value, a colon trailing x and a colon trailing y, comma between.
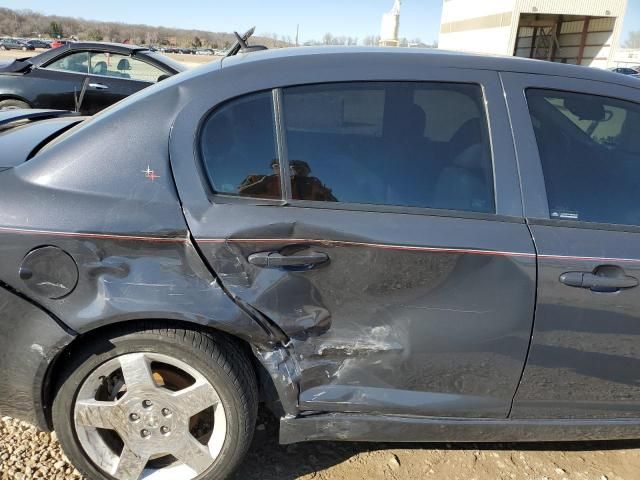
x: 579, y: 146
x: 59, y: 83
x: 378, y: 225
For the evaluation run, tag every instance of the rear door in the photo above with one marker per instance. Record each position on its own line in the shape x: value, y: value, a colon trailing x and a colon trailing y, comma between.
x: 378, y: 225
x: 578, y: 145
x: 114, y: 77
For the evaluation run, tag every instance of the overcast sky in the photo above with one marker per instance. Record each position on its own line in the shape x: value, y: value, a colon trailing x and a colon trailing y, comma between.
x: 356, y: 18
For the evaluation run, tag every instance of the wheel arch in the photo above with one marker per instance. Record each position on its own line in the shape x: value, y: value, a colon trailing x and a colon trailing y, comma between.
x: 51, y: 382
x: 13, y: 96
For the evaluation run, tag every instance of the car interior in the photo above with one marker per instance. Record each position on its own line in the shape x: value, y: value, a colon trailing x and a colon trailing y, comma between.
x: 603, y: 137
x: 452, y: 173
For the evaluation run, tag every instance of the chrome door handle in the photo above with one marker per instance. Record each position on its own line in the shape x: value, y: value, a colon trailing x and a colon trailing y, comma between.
x: 99, y: 86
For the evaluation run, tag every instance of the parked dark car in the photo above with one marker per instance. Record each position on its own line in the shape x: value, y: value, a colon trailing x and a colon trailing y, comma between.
x: 93, y: 75
x: 625, y: 70
x: 381, y: 245
x: 39, y: 44
x: 14, y: 44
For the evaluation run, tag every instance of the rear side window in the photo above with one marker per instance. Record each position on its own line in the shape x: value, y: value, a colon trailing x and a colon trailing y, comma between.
x: 239, y: 149
x: 590, y: 152
x: 75, y: 62
x: 123, y: 66
x: 390, y: 143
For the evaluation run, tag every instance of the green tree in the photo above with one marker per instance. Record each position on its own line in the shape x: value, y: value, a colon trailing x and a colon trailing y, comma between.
x: 55, y: 30
x: 197, y: 43
x: 95, y: 36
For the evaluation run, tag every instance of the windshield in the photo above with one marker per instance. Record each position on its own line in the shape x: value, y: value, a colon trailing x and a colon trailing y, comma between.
x: 177, y: 66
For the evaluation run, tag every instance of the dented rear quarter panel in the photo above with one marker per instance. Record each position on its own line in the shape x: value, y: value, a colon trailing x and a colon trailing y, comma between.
x: 90, y: 195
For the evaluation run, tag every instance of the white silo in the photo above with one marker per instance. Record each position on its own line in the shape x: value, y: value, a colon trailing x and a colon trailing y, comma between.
x: 390, y: 27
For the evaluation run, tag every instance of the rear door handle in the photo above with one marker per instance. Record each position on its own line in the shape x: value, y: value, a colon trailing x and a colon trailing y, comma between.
x: 277, y: 260
x: 598, y: 282
x: 99, y: 86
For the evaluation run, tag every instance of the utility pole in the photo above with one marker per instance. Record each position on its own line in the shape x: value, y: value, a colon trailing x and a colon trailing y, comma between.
x: 297, y: 33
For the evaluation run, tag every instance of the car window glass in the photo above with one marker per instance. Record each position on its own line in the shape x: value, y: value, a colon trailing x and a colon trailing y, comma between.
x: 390, y: 143
x: 590, y: 152
x: 76, y: 62
x: 239, y: 148
x: 123, y: 66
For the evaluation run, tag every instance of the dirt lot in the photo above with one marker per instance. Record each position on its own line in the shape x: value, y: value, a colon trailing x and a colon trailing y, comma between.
x: 26, y: 453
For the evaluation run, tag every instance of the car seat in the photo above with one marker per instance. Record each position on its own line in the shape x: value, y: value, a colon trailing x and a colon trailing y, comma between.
x: 100, y: 68
x: 465, y: 184
x: 123, y: 66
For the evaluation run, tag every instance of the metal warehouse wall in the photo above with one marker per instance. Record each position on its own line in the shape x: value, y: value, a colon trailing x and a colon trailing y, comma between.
x: 491, y: 26
x: 577, y: 43
x: 478, y: 26
x: 595, y: 8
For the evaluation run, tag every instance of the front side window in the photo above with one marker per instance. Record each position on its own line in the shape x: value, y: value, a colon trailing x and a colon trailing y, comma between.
x: 239, y: 149
x: 76, y: 62
x: 589, y: 147
x: 390, y: 143
x: 123, y: 66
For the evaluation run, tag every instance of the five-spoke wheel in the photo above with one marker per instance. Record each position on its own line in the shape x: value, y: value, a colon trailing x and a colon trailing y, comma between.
x: 157, y: 409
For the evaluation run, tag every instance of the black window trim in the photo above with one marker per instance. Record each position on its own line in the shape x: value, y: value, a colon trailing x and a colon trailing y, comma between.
x: 582, y: 225
x: 286, y: 199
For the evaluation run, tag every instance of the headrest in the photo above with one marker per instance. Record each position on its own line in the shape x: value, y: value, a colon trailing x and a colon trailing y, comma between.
x: 124, y: 64
x: 100, y: 68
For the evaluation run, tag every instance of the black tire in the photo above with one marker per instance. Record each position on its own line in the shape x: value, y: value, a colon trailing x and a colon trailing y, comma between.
x: 216, y: 356
x: 12, y: 104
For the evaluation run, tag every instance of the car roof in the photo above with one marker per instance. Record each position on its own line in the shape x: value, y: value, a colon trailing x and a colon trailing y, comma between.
x: 124, y: 48
x: 436, y: 58
x: 121, y: 48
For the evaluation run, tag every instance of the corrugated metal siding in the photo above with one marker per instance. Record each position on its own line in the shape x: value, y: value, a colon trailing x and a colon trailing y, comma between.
x: 479, y: 25
x: 457, y: 10
x: 597, y: 8
x: 572, y: 27
x: 602, y: 24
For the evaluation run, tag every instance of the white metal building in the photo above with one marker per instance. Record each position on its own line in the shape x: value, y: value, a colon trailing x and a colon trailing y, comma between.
x: 583, y: 32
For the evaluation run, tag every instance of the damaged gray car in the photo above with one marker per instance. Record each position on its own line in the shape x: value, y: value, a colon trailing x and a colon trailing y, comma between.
x: 379, y: 245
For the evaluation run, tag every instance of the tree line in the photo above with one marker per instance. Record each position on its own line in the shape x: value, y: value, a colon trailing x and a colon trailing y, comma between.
x: 28, y: 24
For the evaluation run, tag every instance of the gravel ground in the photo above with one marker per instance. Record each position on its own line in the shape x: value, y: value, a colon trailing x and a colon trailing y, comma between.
x: 27, y: 453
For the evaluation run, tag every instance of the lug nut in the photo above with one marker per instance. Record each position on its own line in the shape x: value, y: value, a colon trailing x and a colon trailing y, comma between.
x: 147, y: 404
x: 134, y: 417
x: 164, y: 430
x: 145, y: 433
x: 166, y: 412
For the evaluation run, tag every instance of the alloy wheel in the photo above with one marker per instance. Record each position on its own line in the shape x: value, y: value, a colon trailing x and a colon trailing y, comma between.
x: 149, y: 416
